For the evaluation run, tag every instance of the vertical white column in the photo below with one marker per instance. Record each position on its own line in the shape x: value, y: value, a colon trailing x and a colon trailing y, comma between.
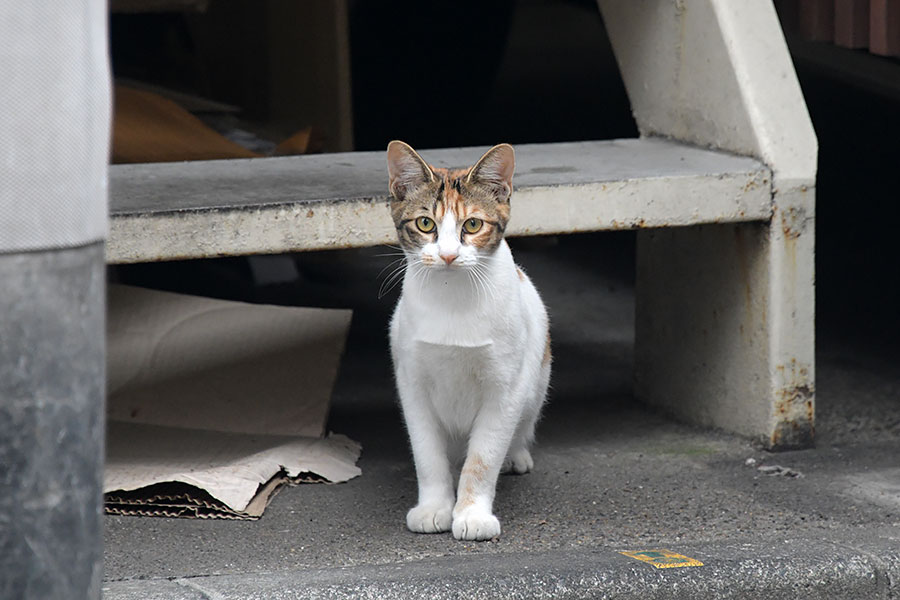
x: 725, y: 314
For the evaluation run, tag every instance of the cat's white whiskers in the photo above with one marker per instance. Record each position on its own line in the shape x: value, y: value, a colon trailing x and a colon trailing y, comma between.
x: 422, y: 273
x: 476, y: 284
x: 486, y: 280
x: 390, y: 265
x: 392, y: 279
x: 395, y: 268
x: 479, y: 278
x: 386, y: 287
x: 473, y: 280
x: 416, y: 274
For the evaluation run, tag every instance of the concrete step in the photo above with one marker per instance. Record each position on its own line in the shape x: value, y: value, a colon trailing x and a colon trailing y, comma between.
x: 202, y: 209
x: 783, y: 569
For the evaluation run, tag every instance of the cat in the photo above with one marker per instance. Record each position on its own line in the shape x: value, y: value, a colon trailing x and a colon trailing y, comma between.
x: 469, y: 338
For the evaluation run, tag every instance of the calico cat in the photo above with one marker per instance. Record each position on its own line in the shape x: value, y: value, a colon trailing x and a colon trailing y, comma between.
x: 469, y: 338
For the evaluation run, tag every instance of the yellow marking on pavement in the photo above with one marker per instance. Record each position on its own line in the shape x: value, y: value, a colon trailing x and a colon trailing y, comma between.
x: 664, y: 559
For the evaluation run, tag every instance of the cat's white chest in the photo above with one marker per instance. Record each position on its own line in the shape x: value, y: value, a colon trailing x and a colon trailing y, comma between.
x: 435, y: 325
x: 457, y: 321
x: 457, y: 345
x: 457, y: 378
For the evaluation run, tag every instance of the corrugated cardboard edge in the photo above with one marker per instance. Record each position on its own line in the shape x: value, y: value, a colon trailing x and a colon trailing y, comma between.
x: 329, y: 460
x: 188, y: 502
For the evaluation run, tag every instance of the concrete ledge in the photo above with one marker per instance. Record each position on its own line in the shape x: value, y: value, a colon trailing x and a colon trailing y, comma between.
x: 203, y: 209
x: 792, y: 569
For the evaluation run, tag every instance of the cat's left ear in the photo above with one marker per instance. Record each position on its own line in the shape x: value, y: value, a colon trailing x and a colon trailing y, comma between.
x: 495, y: 170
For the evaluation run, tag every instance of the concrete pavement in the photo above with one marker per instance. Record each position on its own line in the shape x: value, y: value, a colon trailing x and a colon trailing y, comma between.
x: 610, y: 475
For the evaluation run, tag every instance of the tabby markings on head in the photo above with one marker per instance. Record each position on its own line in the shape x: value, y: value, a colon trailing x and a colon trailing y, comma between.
x: 480, y: 193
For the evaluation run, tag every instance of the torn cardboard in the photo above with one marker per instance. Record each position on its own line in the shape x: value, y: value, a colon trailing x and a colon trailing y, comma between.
x: 230, y: 475
x: 214, y: 404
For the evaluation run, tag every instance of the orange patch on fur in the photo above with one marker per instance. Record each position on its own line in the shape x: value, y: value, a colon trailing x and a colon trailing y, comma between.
x: 548, y: 356
x: 458, y: 173
x: 473, y: 471
x: 483, y: 237
x: 475, y: 468
x: 451, y: 200
x: 467, y: 498
x: 520, y: 274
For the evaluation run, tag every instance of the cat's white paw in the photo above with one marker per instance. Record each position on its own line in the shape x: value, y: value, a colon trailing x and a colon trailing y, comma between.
x: 475, y: 524
x: 429, y: 518
x: 518, y: 462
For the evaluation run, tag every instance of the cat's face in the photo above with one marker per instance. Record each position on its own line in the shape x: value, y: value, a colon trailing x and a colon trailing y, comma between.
x: 450, y: 219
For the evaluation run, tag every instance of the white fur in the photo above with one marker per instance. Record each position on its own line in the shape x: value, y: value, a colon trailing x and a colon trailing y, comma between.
x: 468, y: 343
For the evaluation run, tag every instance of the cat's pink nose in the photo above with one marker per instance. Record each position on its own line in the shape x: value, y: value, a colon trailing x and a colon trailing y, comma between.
x: 449, y: 258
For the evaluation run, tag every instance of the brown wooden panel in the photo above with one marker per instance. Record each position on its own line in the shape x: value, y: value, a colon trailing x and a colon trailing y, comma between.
x: 817, y: 20
x: 884, y: 27
x: 851, y: 23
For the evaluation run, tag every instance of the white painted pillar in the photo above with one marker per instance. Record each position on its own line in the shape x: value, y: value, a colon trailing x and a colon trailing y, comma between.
x: 725, y: 313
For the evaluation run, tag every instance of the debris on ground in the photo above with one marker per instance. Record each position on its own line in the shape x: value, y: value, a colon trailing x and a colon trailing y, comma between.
x: 779, y: 470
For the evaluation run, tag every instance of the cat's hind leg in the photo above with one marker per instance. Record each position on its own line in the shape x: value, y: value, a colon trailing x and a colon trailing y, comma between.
x: 518, y: 459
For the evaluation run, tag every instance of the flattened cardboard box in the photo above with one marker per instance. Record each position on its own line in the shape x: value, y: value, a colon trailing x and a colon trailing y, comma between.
x: 214, y: 404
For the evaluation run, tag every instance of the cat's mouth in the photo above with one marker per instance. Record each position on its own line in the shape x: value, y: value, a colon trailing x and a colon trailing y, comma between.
x: 442, y: 264
x: 442, y: 267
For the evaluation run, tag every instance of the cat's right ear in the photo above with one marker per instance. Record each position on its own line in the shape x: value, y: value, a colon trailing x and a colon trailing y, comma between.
x: 406, y: 168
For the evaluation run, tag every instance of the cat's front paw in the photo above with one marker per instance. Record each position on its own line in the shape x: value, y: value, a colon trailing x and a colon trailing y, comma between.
x: 429, y: 518
x: 475, y: 524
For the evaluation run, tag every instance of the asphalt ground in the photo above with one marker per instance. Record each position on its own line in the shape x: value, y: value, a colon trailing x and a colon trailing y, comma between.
x: 610, y: 475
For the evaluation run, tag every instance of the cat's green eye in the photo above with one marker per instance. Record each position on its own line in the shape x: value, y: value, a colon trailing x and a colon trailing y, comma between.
x: 472, y: 225
x: 425, y: 224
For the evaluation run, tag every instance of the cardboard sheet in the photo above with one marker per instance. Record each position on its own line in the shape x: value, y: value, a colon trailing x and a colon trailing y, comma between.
x: 213, y: 404
x: 231, y: 469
